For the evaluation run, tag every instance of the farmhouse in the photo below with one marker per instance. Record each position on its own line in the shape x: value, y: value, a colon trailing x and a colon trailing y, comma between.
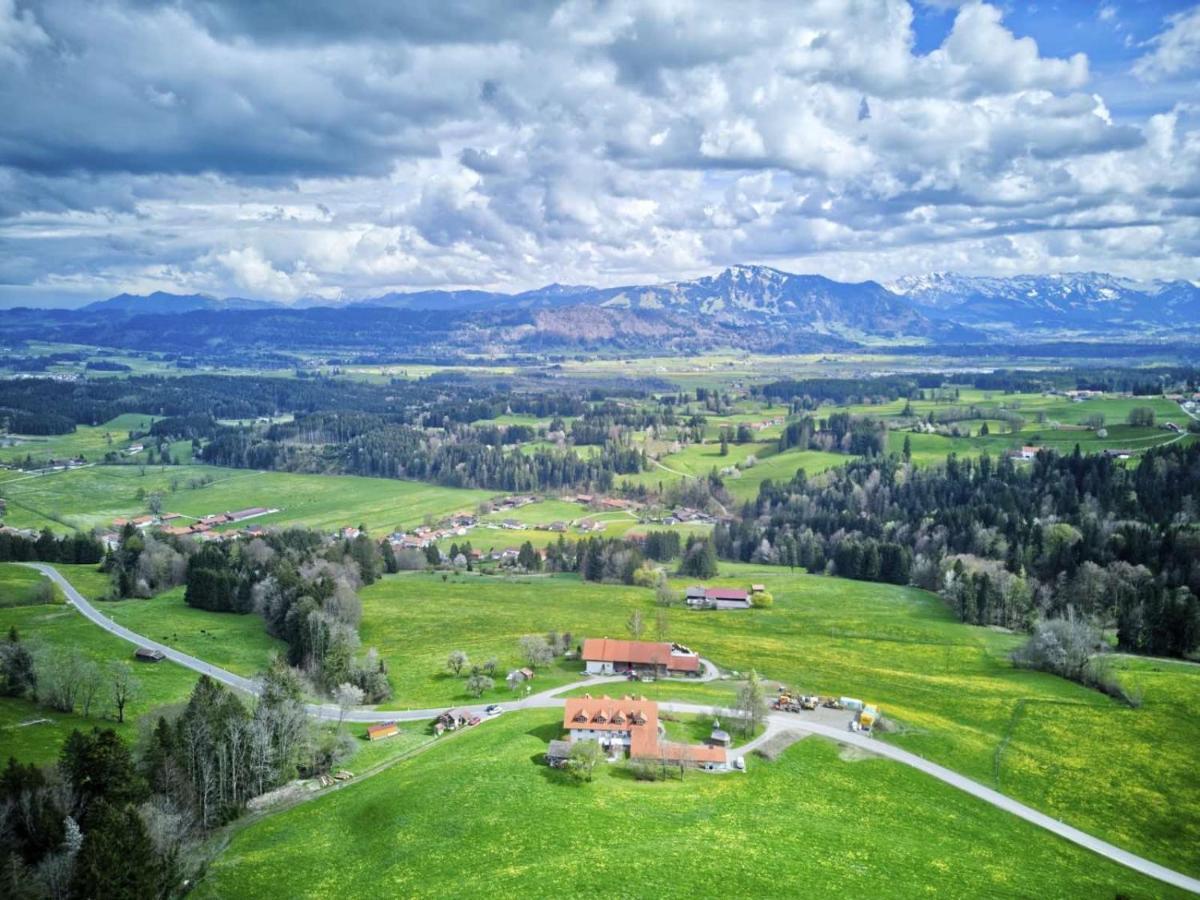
x: 626, y: 725
x: 611, y: 657
x: 630, y: 725
x: 699, y: 597
x: 453, y: 719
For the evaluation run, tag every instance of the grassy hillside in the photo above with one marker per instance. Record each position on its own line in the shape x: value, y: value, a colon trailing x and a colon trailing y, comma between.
x: 239, y: 643
x: 1069, y: 751
x: 34, y: 734
x: 85, y: 498
x: 89, y: 441
x: 22, y: 586
x: 809, y: 824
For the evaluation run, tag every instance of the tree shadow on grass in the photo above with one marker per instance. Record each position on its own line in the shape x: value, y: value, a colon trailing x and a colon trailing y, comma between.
x: 551, y: 731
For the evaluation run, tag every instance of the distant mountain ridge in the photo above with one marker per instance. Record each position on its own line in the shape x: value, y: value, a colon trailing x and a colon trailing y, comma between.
x: 772, y: 307
x: 163, y: 303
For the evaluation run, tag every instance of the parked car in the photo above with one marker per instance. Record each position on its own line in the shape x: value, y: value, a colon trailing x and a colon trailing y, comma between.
x: 494, y: 710
x: 474, y: 720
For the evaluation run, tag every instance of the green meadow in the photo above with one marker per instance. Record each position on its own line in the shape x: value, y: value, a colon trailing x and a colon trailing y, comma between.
x: 22, y: 586
x: 1124, y: 774
x: 89, y: 441
x: 33, y: 733
x: 237, y: 642
x: 90, y: 497
x: 478, y: 815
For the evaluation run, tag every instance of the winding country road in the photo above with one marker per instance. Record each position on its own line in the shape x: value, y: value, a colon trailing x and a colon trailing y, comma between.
x: 777, y: 724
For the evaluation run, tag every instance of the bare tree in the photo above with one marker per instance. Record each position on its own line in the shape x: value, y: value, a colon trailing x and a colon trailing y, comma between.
x: 636, y: 624
x: 662, y: 627
x: 477, y: 684
x: 457, y: 661
x: 60, y: 674
x: 665, y: 595
x: 534, y: 650
x: 347, y: 696
x: 123, y: 687
x: 752, y: 704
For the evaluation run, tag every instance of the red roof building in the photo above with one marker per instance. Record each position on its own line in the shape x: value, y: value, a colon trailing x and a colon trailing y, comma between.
x: 605, y: 656
x: 630, y: 724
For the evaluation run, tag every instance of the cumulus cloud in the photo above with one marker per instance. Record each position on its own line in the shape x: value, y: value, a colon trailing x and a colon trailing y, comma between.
x: 1174, y: 52
x: 281, y: 149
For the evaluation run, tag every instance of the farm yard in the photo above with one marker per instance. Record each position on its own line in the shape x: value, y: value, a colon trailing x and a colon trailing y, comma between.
x: 791, y: 827
x: 955, y: 697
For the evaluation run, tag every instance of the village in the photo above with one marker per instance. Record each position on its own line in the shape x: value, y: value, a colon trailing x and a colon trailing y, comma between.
x: 462, y: 524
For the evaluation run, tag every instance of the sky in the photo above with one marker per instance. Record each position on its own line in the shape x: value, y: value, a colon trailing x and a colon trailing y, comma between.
x: 283, y: 150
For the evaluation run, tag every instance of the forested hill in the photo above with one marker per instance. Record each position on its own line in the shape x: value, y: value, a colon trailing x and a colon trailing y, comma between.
x: 1005, y: 543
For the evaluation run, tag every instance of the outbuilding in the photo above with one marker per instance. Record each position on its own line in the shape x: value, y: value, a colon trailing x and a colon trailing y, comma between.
x: 381, y: 731
x: 558, y: 753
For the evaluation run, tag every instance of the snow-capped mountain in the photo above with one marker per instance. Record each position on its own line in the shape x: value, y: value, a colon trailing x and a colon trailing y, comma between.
x: 1078, y: 300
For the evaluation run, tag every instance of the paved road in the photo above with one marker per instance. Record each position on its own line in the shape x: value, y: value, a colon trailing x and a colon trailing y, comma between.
x: 777, y: 723
x: 550, y: 697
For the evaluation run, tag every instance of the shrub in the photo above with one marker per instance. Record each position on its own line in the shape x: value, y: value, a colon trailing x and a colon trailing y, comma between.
x: 1071, y: 649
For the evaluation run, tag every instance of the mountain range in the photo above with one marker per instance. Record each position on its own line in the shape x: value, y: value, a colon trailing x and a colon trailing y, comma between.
x: 747, y: 296
x: 1088, y: 301
x: 749, y: 307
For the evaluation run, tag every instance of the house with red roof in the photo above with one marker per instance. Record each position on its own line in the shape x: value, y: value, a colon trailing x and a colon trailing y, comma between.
x: 605, y: 656
x: 630, y: 726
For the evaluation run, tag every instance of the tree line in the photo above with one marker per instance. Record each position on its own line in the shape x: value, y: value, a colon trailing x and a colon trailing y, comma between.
x: 304, y: 585
x: 108, y: 820
x: 1005, y: 545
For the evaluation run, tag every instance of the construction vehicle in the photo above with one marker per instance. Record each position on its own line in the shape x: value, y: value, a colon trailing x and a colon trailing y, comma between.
x: 809, y: 701
x: 831, y: 703
x: 867, y: 717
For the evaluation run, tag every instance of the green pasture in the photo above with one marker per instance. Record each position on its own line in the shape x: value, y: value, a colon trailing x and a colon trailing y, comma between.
x: 94, y: 496
x: 950, y: 688
x: 88, y: 441
x: 31, y: 732
x: 480, y: 815
x: 22, y: 586
x: 233, y: 641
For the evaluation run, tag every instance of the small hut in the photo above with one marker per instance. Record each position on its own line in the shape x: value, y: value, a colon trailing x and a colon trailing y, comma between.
x: 558, y: 753
x: 381, y: 731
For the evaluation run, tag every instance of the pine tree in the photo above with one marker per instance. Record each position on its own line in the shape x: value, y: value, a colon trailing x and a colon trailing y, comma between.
x: 117, y: 859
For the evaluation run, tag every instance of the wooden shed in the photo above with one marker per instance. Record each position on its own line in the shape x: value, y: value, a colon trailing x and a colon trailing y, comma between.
x: 381, y: 731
